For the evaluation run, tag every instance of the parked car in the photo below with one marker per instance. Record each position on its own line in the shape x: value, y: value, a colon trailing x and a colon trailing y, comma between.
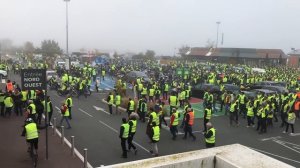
x: 259, y: 85
x: 250, y: 94
x: 3, y: 74
x: 133, y: 75
x: 265, y: 92
x: 277, y: 89
x: 199, y: 90
x: 232, y: 88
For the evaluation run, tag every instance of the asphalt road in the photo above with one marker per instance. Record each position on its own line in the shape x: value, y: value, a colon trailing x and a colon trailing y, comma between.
x: 97, y: 131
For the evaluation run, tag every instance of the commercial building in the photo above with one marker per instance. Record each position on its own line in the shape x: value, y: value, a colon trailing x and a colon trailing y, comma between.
x: 250, y: 56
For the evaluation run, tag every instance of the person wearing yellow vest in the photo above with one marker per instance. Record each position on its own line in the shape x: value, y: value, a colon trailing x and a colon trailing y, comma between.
x: 151, y: 94
x: 234, y: 113
x: 32, y: 134
x: 31, y: 110
x: 210, y: 135
x: 24, y: 98
x: 31, y: 95
x: 207, y: 116
x: 69, y: 103
x: 270, y: 114
x: 250, y: 114
x: 182, y: 98
x: 110, y: 100
x: 155, y: 136
x: 118, y: 103
x: 144, y: 92
x: 153, y: 117
x: 124, y: 133
x: 65, y: 114
x: 48, y: 109
x: 132, y: 129
x: 103, y: 73
x: 242, y: 104
x: 166, y: 91
x: 8, y: 103
x: 284, y: 112
x: 290, y: 122
x: 157, y: 94
x: 263, y: 116
x: 2, y: 106
x: 143, y: 110
x: 161, y: 113
x: 173, y: 101
x: 174, y: 121
x: 130, y: 106
x: 189, y: 122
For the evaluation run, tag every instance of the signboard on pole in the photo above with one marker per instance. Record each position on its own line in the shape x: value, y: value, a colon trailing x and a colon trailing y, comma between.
x: 33, y: 79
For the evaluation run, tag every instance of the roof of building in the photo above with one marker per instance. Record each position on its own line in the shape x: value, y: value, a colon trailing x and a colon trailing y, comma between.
x: 236, y: 52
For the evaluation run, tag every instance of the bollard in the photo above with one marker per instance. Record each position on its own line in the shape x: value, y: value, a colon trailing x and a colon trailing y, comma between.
x: 85, y: 158
x: 54, y: 126
x: 73, y: 145
x: 62, y: 134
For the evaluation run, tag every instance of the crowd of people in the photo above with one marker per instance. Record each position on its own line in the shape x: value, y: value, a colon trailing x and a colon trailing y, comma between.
x: 176, y: 90
x: 168, y: 93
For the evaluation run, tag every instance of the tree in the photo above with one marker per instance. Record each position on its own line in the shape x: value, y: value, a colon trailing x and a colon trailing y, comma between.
x: 115, y: 55
x: 150, y: 54
x: 6, y: 46
x: 50, y: 48
x: 184, y: 49
x: 28, y: 49
x: 138, y: 56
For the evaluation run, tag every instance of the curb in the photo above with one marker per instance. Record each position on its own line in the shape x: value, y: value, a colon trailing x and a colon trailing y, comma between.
x: 77, y: 153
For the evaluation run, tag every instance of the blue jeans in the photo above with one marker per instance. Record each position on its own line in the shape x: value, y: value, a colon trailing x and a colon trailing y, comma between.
x: 67, y: 120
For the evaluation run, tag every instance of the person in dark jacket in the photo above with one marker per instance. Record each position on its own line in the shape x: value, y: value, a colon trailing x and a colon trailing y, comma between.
x: 39, y: 109
x: 17, y: 96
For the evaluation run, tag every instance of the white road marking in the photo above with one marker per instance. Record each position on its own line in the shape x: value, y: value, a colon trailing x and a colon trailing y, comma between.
x: 69, y: 144
x: 288, y: 143
x: 85, y: 112
x: 283, y: 144
x: 107, y: 85
x: 107, y: 89
x: 101, y: 109
x: 296, y: 147
x: 58, y: 109
x: 114, y: 130
x: 3, y: 81
x: 276, y: 155
x: 270, y: 138
x: 296, y: 134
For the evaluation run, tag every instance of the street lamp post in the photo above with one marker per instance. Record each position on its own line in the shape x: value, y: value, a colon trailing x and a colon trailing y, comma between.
x: 218, y: 24
x: 67, y: 33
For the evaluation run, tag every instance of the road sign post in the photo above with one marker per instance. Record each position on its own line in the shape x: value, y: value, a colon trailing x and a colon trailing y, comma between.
x: 35, y: 79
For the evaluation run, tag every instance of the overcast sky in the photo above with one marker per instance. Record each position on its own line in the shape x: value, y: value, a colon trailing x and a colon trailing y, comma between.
x: 160, y: 25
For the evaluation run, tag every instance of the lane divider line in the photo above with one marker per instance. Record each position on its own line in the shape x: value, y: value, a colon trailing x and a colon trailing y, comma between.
x: 84, y: 112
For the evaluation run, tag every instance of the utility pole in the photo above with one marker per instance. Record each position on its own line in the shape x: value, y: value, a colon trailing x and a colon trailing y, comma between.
x: 218, y: 24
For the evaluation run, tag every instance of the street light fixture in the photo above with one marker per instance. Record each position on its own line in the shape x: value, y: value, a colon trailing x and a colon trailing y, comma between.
x: 218, y: 24
x: 67, y: 33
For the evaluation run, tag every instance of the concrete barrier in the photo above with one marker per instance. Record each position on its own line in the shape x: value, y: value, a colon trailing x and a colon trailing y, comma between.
x: 229, y: 156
